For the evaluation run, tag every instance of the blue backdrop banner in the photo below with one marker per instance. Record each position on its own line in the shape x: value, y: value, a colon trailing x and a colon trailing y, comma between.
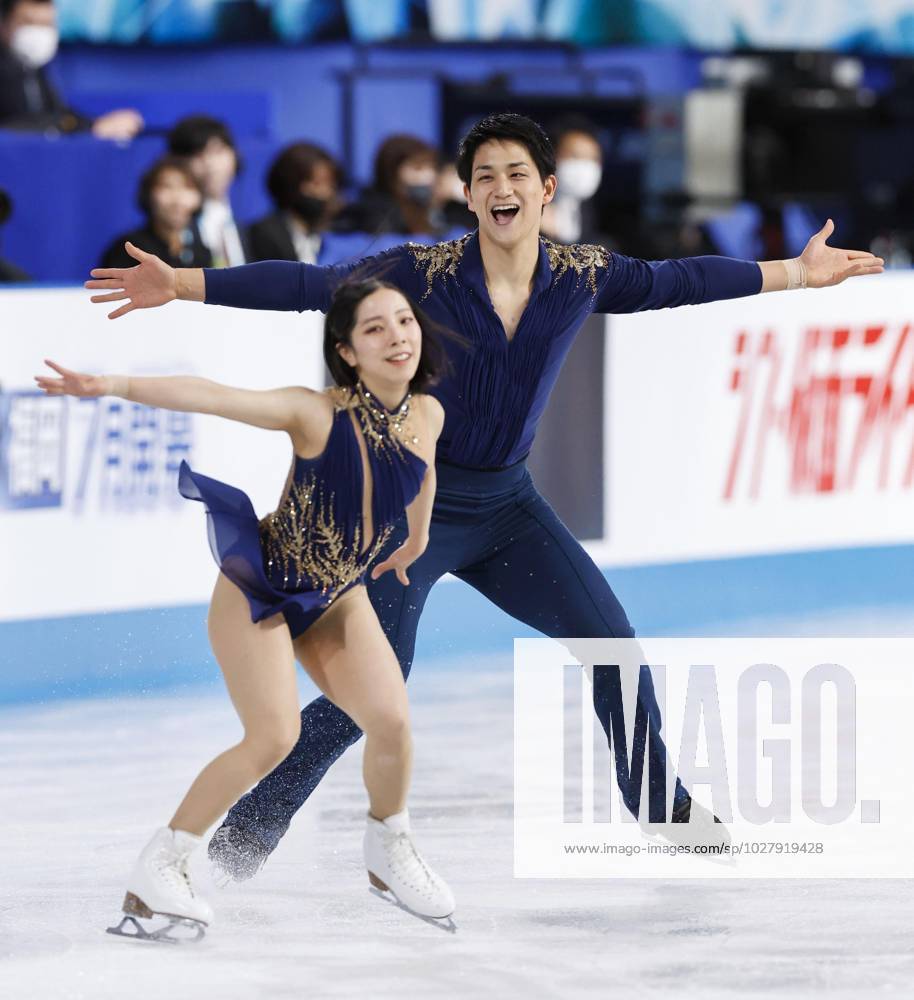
x: 704, y: 24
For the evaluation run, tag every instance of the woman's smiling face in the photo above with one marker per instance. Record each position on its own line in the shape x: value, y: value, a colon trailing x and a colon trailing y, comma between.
x: 386, y: 340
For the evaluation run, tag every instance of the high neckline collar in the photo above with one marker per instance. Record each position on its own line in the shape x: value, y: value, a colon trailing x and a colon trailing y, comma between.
x: 366, y: 394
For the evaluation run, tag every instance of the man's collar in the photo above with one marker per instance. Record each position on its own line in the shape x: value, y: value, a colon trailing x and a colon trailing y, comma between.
x: 473, y: 275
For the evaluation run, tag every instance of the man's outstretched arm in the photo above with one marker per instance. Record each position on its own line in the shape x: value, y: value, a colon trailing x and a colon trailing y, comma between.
x: 275, y: 284
x: 633, y: 285
x: 152, y: 282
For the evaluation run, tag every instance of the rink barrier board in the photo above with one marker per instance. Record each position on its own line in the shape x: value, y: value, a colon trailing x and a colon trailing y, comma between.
x: 149, y: 650
x: 742, y: 428
x: 701, y: 555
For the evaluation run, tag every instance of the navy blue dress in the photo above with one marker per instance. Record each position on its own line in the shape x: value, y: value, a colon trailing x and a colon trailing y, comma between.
x: 299, y: 559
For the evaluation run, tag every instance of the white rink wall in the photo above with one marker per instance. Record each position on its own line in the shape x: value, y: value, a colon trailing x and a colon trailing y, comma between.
x: 90, y: 516
x: 773, y: 424
x: 758, y: 464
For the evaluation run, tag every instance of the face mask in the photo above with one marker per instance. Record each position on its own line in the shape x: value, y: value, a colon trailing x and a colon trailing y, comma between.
x: 421, y: 194
x: 310, y: 209
x: 35, y: 44
x: 578, y: 179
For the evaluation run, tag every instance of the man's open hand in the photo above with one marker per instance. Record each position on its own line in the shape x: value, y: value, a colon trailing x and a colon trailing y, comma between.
x: 151, y: 283
x: 827, y: 265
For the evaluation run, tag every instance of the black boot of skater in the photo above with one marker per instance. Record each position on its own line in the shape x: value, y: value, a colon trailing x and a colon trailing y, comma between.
x: 683, y: 811
x: 235, y: 854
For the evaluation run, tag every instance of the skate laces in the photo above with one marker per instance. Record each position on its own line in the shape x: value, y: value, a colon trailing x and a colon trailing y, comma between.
x: 174, y: 869
x: 403, y: 854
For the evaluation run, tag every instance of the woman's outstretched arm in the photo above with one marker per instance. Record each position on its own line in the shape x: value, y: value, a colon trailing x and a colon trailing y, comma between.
x: 290, y: 409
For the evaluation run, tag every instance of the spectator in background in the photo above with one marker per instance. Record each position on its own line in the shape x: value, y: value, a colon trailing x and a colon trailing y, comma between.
x: 9, y: 273
x: 451, y: 202
x: 28, y: 100
x: 678, y: 227
x: 570, y: 217
x: 209, y: 149
x: 169, y: 196
x: 304, y: 182
x: 402, y: 197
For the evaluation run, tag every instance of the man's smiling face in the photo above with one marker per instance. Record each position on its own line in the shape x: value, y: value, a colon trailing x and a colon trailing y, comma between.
x: 506, y: 192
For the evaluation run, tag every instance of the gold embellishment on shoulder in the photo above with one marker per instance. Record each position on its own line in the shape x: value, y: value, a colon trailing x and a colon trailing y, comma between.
x: 304, y: 540
x: 582, y: 258
x: 437, y: 260
x: 342, y: 397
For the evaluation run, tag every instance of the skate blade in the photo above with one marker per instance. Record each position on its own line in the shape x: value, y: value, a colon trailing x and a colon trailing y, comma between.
x: 187, y: 931
x: 221, y: 878
x: 442, y: 923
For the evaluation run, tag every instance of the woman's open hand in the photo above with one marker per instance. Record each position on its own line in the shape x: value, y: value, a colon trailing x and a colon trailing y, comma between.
x: 399, y: 560
x: 73, y: 383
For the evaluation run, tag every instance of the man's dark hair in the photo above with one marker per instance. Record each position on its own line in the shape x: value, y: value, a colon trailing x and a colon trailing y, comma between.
x: 190, y: 135
x: 506, y: 127
x: 293, y: 166
x: 393, y: 152
x: 8, y: 6
x: 149, y: 180
x: 340, y: 322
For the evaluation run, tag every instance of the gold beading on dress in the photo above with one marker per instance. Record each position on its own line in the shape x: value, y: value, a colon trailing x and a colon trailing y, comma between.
x: 304, y: 540
x: 302, y: 537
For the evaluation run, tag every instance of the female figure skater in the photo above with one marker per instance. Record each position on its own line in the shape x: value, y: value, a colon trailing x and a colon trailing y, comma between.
x: 291, y: 586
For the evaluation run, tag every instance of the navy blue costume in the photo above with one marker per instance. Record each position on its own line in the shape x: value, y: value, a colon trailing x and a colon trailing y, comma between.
x: 489, y: 527
x: 313, y: 547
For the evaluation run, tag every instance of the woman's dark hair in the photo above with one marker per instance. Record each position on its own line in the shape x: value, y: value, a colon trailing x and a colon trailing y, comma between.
x: 149, y: 180
x: 340, y: 321
x: 506, y: 128
x: 294, y: 165
x: 392, y: 154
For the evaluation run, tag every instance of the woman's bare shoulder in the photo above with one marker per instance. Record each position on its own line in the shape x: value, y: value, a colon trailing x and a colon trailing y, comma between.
x: 433, y: 410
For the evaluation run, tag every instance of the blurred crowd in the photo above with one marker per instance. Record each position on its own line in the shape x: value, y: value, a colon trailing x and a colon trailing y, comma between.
x: 186, y: 199
x: 185, y: 196
x: 317, y: 216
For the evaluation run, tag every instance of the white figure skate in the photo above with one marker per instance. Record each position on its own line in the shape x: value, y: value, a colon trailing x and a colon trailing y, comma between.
x: 160, y: 886
x: 395, y: 866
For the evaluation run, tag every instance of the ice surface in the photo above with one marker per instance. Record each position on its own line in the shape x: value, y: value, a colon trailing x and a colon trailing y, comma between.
x: 83, y: 784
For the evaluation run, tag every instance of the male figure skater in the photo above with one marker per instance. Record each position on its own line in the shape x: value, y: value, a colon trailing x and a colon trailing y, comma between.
x: 519, y: 300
